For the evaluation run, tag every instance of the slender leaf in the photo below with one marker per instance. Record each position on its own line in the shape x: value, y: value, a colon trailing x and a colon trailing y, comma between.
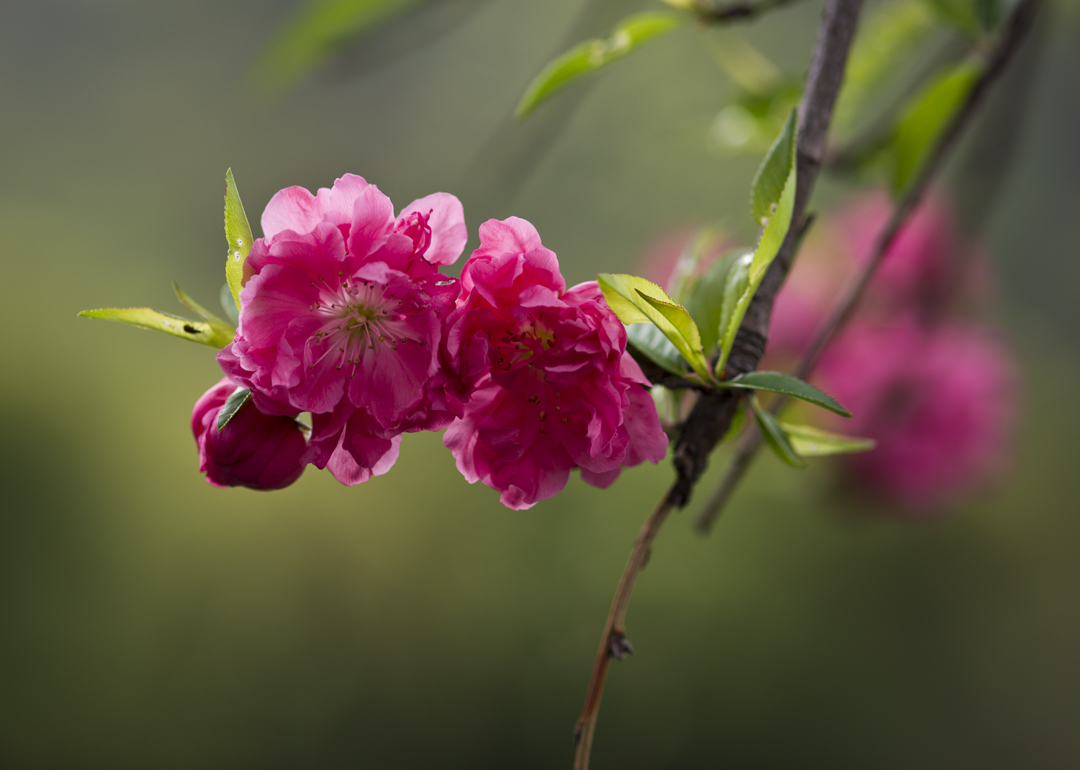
x: 238, y: 235
x: 652, y: 343
x: 232, y: 405
x: 592, y: 55
x: 317, y: 31
x: 772, y: 175
x: 776, y: 438
x: 813, y: 442
x: 785, y: 384
x: 738, y: 279
x: 228, y: 304
x: 636, y: 300
x: 777, y: 223
x: 925, y: 118
x: 706, y: 301
x: 219, y: 327
x: 146, y: 318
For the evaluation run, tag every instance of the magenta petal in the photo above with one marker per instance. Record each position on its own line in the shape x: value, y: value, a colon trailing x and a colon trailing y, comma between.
x: 293, y: 208
x: 372, y: 221
x: 336, y: 204
x: 446, y: 218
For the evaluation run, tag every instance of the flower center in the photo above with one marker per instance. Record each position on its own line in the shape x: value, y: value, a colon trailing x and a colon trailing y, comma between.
x: 517, y: 347
x: 358, y: 315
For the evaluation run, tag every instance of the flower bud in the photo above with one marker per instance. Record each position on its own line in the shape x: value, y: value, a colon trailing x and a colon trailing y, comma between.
x: 253, y: 450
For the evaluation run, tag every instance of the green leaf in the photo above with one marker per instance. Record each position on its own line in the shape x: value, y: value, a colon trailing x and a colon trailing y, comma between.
x: 776, y: 438
x: 706, y: 300
x: 926, y: 117
x: 636, y: 300
x: 772, y: 176
x: 777, y: 223
x: 592, y: 55
x: 232, y: 405
x: 655, y: 346
x: 812, y: 442
x: 890, y: 34
x: 219, y: 327
x: 316, y: 32
x: 228, y: 304
x: 785, y: 384
x: 146, y: 318
x: 238, y: 234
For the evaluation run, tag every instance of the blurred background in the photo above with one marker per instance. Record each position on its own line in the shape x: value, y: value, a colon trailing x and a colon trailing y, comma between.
x: 149, y: 620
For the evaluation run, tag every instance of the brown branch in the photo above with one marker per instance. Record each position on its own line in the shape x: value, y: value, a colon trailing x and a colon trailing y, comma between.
x: 712, y: 415
x: 1013, y: 33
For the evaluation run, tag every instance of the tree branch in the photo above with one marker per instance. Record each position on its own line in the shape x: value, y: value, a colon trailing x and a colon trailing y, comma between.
x: 712, y: 415
x: 1013, y: 33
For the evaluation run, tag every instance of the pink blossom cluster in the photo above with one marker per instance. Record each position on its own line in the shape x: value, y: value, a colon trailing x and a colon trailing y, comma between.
x: 345, y: 315
x: 932, y: 385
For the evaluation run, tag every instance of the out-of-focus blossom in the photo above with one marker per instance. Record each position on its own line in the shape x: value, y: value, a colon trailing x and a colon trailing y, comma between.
x: 342, y: 314
x: 933, y: 388
x: 938, y: 401
x: 542, y: 374
x: 255, y: 450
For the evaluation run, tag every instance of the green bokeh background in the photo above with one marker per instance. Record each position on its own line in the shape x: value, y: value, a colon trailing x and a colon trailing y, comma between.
x: 148, y: 620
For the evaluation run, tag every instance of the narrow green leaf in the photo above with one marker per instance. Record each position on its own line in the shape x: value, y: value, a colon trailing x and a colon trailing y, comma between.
x: 219, y: 327
x: 232, y: 405
x: 316, y: 32
x: 146, y: 318
x: 636, y: 300
x: 772, y: 175
x: 652, y: 343
x: 228, y: 304
x: 777, y: 224
x: 592, y: 55
x: 238, y: 235
x: 813, y: 442
x: 735, y: 288
x: 785, y: 384
x: 706, y: 300
x: 924, y: 119
x: 678, y: 317
x: 776, y: 438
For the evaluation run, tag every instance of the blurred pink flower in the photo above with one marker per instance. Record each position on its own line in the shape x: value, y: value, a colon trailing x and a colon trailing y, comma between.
x: 253, y: 450
x: 543, y: 375
x: 341, y: 316
x: 929, y: 270
x: 938, y: 401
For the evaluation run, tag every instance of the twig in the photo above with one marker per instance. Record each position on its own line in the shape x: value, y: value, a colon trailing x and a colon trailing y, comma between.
x: 1013, y: 33
x: 712, y: 415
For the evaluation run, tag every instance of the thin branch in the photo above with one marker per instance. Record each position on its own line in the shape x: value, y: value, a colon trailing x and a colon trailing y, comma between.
x: 712, y: 415
x: 1013, y: 33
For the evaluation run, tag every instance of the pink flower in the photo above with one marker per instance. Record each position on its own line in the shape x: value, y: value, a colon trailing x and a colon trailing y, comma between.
x: 342, y: 313
x: 939, y: 402
x: 929, y: 270
x: 253, y: 450
x: 542, y: 374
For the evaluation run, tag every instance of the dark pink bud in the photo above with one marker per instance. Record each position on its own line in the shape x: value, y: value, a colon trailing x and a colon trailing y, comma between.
x: 253, y: 450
